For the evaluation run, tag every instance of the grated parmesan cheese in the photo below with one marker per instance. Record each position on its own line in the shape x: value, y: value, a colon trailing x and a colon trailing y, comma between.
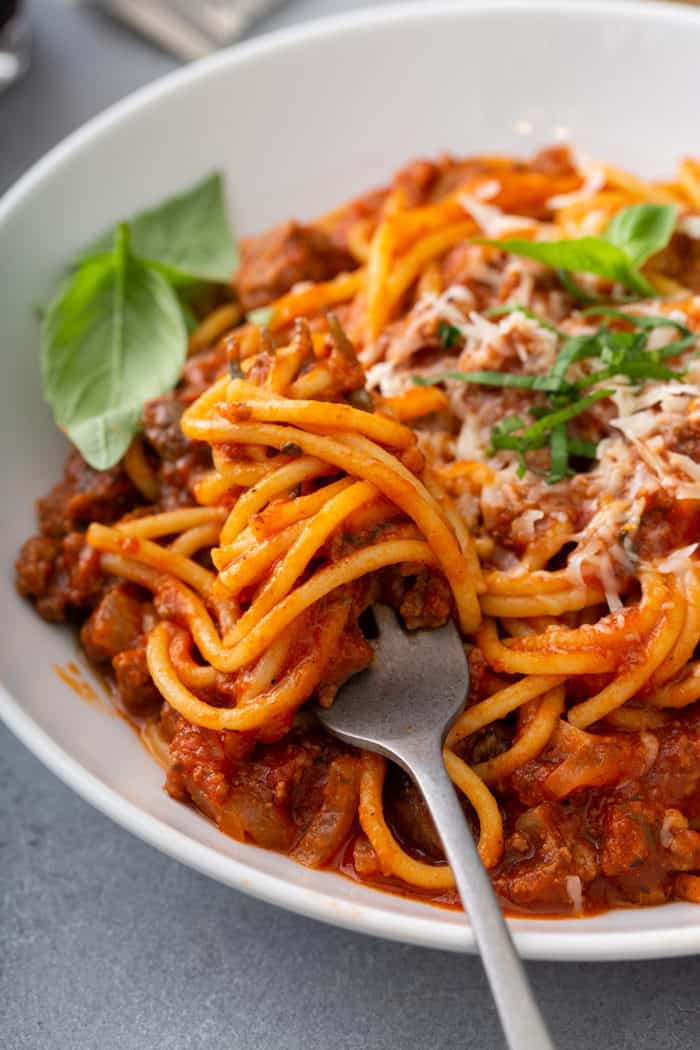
x: 486, y: 191
x: 639, y: 449
x: 598, y: 548
x: 676, y: 563
x: 651, y: 746
x: 527, y: 521
x: 493, y: 222
x: 470, y: 442
x: 673, y: 822
x: 594, y: 180
x: 384, y: 378
x: 690, y: 226
x: 574, y: 891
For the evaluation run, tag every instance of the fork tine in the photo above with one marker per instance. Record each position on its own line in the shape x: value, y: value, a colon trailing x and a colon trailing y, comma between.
x: 401, y: 707
x: 393, y: 639
x: 413, y: 689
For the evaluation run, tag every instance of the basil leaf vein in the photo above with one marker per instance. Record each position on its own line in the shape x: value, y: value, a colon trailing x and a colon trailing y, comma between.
x: 642, y: 230
x: 632, y: 237
x: 581, y: 255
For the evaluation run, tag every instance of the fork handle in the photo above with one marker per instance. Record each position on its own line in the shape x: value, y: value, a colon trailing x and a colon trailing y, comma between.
x: 522, y: 1022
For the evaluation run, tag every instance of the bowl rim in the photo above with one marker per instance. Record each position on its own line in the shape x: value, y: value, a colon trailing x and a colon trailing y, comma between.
x: 426, y: 931
x: 317, y: 28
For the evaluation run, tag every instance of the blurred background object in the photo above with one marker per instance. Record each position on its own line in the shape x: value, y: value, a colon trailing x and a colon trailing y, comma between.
x: 14, y: 40
x: 187, y: 29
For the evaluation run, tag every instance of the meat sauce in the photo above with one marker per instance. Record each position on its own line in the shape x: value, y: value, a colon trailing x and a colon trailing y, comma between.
x: 620, y: 840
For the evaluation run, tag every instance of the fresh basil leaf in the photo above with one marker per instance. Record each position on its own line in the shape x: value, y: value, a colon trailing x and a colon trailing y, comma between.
x: 650, y: 321
x: 633, y: 236
x: 113, y: 338
x: 584, y: 449
x: 188, y: 316
x: 678, y: 346
x: 504, y: 435
x: 582, y: 255
x: 502, y: 379
x: 576, y: 348
x: 509, y: 425
x: 575, y: 290
x: 534, y: 434
x: 188, y: 236
x: 559, y: 455
x: 642, y: 230
x: 102, y: 440
x: 632, y: 370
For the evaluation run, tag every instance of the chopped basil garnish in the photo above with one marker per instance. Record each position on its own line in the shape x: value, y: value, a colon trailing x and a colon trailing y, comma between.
x: 620, y: 353
x: 575, y: 290
x: 637, y: 320
x: 448, y: 335
x: 512, y: 379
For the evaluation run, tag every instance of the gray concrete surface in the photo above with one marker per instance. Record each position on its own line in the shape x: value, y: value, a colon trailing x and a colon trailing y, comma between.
x: 106, y: 945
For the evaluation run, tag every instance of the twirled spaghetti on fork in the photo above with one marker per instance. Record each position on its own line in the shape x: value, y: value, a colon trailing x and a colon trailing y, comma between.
x: 369, y: 434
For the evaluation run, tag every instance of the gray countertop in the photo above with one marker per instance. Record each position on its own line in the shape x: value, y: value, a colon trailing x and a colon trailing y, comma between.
x: 104, y: 943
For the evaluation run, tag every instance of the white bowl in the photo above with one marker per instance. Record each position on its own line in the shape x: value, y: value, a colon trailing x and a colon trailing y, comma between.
x: 299, y: 121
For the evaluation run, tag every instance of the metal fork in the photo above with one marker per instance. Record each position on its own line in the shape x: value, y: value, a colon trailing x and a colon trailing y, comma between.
x: 402, y: 707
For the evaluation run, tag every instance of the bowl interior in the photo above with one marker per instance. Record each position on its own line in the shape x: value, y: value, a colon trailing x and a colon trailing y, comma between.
x: 298, y: 123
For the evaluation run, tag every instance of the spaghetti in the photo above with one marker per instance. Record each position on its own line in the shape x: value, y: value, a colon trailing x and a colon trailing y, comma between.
x: 227, y: 563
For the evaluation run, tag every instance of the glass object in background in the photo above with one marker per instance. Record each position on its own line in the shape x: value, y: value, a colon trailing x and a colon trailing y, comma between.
x: 187, y: 29
x: 14, y: 40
